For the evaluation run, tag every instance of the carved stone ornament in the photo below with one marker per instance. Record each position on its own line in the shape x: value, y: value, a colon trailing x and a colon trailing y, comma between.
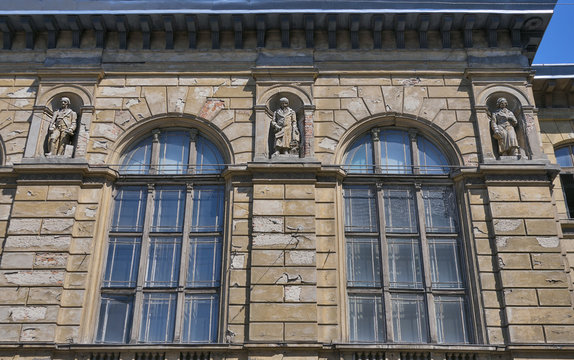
x: 61, y: 131
x: 503, y: 123
x: 285, y: 130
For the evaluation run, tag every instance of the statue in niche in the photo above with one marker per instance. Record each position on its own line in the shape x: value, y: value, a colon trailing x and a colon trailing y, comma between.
x: 284, y: 127
x: 503, y: 123
x: 62, y: 129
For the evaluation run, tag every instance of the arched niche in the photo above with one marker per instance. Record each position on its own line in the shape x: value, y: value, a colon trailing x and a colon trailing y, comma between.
x: 492, y: 141
x: 268, y: 102
x: 47, y: 103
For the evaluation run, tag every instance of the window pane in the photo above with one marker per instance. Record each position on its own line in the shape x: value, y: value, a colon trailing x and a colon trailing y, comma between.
x: 200, y: 318
x: 409, y: 318
x: 129, y: 209
x: 400, y: 213
x: 209, y: 159
x: 163, y: 262
x: 405, y: 263
x: 366, y: 318
x: 451, y: 320
x: 360, y: 209
x: 122, y: 262
x: 169, y: 205
x: 363, y: 262
x: 204, y: 262
x: 563, y: 157
x: 359, y: 157
x: 115, y: 319
x: 445, y: 270
x: 173, y: 152
x: 431, y: 159
x: 440, y: 209
x: 395, y: 152
x: 207, y: 209
x: 138, y: 158
x: 158, y: 317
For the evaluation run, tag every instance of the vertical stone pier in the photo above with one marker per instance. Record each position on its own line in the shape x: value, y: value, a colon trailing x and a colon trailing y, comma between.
x: 283, y: 293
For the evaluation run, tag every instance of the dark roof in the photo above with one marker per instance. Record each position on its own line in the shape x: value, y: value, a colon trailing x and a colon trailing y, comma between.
x: 270, y: 6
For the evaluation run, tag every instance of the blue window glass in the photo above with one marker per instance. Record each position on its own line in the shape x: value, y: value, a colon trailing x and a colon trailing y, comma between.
x: 395, y: 151
x: 359, y: 157
x: 431, y: 159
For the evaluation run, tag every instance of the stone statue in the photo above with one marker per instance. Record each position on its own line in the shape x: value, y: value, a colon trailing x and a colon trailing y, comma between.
x: 284, y: 126
x: 503, y: 123
x: 61, y: 129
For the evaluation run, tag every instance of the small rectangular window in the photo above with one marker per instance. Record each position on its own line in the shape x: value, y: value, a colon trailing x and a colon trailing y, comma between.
x: 405, y: 263
x: 440, y: 209
x: 163, y: 262
x: 122, y: 262
x: 363, y: 262
x: 129, y: 210
x: 158, y: 317
x: 210, y: 200
x: 409, y: 318
x: 360, y: 209
x: 567, y: 181
x: 444, y: 259
x: 366, y: 317
x: 115, y: 318
x: 169, y: 206
x: 204, y: 260
x: 451, y: 322
x: 201, y: 316
x: 400, y: 213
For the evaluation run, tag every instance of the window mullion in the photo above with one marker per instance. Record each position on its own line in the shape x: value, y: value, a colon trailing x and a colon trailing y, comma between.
x: 155, y: 145
x: 414, y: 151
x: 192, y: 161
x: 426, y: 265
x: 376, y: 149
x: 138, y: 302
x: 184, y: 262
x: 388, y: 333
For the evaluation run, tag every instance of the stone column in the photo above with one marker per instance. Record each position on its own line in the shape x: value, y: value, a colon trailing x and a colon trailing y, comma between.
x: 483, y: 125
x: 308, y: 131
x: 261, y: 134
x: 40, y: 122
x: 283, y: 295
x: 83, y: 131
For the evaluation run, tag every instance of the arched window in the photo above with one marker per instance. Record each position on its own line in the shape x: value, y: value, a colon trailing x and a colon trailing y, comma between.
x: 565, y: 158
x: 162, y: 275
x: 403, y: 249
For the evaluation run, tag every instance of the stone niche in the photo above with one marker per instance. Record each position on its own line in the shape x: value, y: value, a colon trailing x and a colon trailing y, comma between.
x: 55, y: 105
x: 507, y: 127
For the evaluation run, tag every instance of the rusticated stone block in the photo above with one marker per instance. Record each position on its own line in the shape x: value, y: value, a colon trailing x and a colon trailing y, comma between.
x: 267, y: 293
x: 31, y: 192
x: 63, y: 193
x: 527, y: 244
x: 533, y: 279
x: 32, y: 278
x: 268, y: 191
x: 535, y: 193
x: 58, y: 226
x: 514, y: 261
x: 38, y: 332
x: 283, y: 275
x: 335, y: 91
x: 44, y: 295
x: 238, y: 277
x: 559, y: 334
x: 540, y: 315
x: 44, y: 209
x: 547, y: 261
x: 327, y: 315
x: 240, y: 227
x: 520, y: 297
x: 299, y: 224
x: 283, y: 312
x: 17, y: 260
x: 267, y: 257
x: 72, y: 298
x: 24, y: 226
x: 300, y: 331
x: 526, y: 333
x: 541, y: 227
x: 554, y: 297
x: 265, y: 331
x: 503, y: 193
x: 508, y: 226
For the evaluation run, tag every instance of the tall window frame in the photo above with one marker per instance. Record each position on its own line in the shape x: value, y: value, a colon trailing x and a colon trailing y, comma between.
x: 565, y: 158
x: 163, y: 265
x: 401, y: 288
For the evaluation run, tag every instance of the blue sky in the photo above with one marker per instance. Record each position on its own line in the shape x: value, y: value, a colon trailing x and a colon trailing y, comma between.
x: 557, y: 46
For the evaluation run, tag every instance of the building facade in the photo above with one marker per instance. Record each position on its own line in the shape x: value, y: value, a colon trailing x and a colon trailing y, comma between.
x: 259, y: 180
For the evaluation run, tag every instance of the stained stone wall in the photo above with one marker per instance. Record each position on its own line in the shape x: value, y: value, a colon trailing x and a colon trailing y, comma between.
x: 283, y: 290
